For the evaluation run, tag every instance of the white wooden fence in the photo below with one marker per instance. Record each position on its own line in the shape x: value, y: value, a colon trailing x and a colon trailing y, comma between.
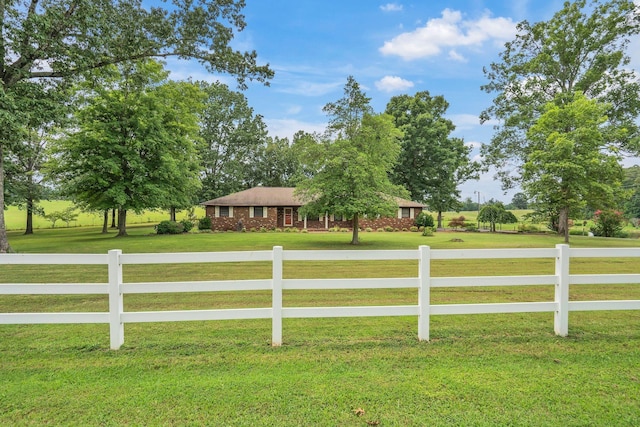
x: 116, y: 317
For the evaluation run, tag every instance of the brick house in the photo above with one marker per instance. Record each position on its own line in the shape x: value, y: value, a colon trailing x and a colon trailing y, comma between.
x: 277, y: 207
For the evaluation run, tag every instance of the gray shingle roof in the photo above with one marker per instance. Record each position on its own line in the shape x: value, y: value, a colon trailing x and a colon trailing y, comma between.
x: 275, y: 196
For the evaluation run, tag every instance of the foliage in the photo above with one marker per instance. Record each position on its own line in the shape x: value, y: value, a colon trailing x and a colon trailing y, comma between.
x: 54, y: 42
x: 608, y: 223
x: 457, y: 222
x: 632, y: 183
x: 580, y: 49
x: 233, y: 137
x: 204, y: 223
x: 24, y: 183
x: 67, y: 215
x: 571, y: 162
x: 431, y: 164
x: 134, y: 145
x: 187, y: 225
x: 519, y: 201
x: 170, y: 227
x: 276, y: 164
x: 496, y: 213
x: 424, y: 219
x: 353, y: 178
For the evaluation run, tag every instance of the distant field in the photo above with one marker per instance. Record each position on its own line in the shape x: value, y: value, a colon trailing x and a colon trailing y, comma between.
x: 16, y: 219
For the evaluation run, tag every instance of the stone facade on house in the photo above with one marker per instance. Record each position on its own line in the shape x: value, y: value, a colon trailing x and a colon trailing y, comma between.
x: 277, y: 207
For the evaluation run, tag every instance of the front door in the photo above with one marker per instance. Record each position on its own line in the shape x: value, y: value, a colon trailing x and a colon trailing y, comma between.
x: 288, y: 217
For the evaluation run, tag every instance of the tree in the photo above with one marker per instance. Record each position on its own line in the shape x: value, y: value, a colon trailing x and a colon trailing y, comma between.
x: 580, y: 49
x: 519, y: 201
x: 431, y: 164
x: 24, y: 185
x: 571, y: 162
x: 632, y: 184
x: 353, y: 176
x: 495, y: 213
x: 60, y: 39
x: 276, y: 164
x: 232, y: 136
x: 134, y: 147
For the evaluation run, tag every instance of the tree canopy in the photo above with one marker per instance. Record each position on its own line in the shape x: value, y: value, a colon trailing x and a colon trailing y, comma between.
x: 571, y: 162
x: 134, y: 148
x: 580, y: 49
x: 431, y: 164
x: 60, y: 39
x: 232, y: 139
x: 352, y: 179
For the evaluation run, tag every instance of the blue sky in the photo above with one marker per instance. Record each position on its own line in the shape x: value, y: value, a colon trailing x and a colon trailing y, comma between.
x: 390, y: 48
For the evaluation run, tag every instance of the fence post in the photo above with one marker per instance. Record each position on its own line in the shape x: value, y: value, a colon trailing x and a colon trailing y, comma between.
x: 424, y: 292
x: 116, y: 304
x: 561, y: 315
x: 276, y: 300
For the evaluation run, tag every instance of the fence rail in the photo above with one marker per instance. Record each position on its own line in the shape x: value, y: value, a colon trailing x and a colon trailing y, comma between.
x: 116, y: 288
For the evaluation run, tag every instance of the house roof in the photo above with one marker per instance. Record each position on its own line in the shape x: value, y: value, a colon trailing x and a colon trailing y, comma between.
x: 276, y: 196
x: 258, y: 196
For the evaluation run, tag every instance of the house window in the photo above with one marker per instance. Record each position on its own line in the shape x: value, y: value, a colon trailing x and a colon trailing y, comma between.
x: 258, y: 211
x: 406, y: 212
x: 224, y: 211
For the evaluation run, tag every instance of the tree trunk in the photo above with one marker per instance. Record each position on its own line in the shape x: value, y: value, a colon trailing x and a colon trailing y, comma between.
x: 122, y: 223
x: 4, y: 240
x: 563, y: 223
x: 105, y: 221
x: 113, y: 218
x: 356, y: 228
x: 29, y: 228
x: 439, y: 219
x: 172, y: 214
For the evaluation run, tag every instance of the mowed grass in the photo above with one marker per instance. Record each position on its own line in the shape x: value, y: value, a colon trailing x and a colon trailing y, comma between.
x: 507, y: 369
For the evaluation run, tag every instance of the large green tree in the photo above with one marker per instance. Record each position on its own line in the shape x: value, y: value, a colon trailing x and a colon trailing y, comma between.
x: 632, y: 184
x: 61, y: 39
x: 352, y: 177
x: 48, y: 110
x: 580, y: 49
x: 232, y: 140
x: 134, y: 147
x: 571, y: 162
x: 432, y: 164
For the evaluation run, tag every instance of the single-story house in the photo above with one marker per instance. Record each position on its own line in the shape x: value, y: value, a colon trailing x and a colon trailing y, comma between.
x: 278, y: 207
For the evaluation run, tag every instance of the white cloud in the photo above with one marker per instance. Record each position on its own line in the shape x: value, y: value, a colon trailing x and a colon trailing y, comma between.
x: 449, y: 31
x: 286, y: 128
x: 391, y: 7
x: 393, y: 84
x: 456, y: 56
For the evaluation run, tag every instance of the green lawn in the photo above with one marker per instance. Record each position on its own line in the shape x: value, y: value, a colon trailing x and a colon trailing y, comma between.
x: 477, y: 369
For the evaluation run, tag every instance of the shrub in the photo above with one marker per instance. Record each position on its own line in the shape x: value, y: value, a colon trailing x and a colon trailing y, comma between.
x: 457, y: 222
x: 380, y: 230
x: 471, y: 226
x: 414, y: 229
x: 424, y: 220
x: 169, y: 227
x: 427, y: 231
x: 204, y: 223
x: 186, y: 225
x: 608, y: 223
x: 388, y: 228
x: 368, y: 229
x: 344, y: 230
